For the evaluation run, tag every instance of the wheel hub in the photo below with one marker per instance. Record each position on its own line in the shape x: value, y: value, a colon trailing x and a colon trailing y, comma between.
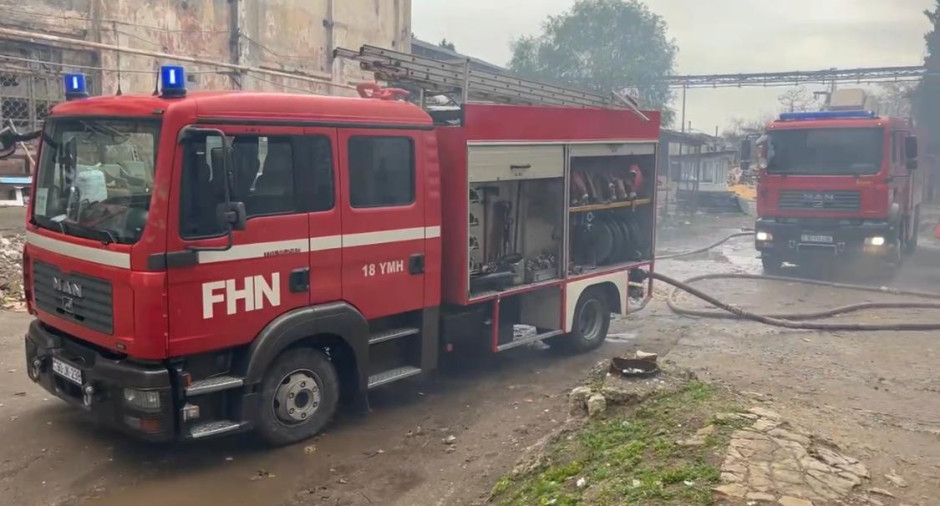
x: 297, y: 397
x: 589, y: 322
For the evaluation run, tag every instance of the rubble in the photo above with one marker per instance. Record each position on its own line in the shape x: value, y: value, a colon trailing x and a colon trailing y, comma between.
x: 596, y: 405
x: 11, y: 269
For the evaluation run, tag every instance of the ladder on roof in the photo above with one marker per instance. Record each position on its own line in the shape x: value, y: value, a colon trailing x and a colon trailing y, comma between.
x: 473, y: 84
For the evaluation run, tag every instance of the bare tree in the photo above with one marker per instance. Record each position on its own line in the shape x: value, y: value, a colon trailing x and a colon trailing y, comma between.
x: 796, y: 100
x: 739, y: 128
x: 894, y: 99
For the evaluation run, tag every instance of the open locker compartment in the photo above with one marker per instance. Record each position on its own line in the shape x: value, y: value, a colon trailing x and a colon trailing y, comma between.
x: 516, y: 217
x: 611, y: 200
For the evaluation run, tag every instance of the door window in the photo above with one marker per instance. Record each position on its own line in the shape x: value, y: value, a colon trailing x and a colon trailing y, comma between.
x: 268, y: 174
x: 381, y: 171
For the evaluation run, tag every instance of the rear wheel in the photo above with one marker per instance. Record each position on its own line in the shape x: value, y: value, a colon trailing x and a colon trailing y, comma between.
x: 298, y: 396
x: 589, y: 326
x: 771, y: 265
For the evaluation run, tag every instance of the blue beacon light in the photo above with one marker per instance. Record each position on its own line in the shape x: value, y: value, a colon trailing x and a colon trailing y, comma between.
x: 75, y: 86
x: 173, y: 81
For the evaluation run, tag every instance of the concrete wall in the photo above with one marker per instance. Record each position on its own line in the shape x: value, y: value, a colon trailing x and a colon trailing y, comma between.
x: 294, y: 36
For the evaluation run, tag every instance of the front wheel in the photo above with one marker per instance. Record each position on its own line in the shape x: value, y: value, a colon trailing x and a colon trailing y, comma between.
x: 589, y: 326
x: 771, y: 265
x: 298, y: 396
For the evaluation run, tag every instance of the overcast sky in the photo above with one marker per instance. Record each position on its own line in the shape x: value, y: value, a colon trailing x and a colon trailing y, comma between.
x: 714, y: 36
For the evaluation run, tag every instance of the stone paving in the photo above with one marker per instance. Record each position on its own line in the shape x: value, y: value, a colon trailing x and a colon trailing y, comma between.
x: 771, y: 462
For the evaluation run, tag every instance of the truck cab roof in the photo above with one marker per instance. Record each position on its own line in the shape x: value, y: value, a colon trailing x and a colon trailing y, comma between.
x: 256, y: 106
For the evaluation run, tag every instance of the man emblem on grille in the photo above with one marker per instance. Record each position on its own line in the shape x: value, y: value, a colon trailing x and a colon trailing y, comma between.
x: 68, y: 305
x: 67, y: 287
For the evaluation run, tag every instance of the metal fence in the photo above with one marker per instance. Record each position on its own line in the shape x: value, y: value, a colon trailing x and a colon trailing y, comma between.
x: 31, y: 80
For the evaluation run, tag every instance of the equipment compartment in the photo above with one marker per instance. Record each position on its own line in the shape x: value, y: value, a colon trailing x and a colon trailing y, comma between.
x: 515, y: 233
x: 611, y: 206
x: 501, y: 163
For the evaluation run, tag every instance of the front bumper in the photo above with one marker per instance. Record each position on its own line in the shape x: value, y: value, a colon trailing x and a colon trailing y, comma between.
x: 791, y: 239
x: 104, y: 377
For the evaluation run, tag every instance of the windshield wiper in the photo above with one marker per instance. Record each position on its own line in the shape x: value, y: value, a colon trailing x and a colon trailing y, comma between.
x: 99, y: 234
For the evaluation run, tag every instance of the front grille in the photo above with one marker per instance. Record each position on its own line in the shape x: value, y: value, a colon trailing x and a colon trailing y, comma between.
x: 820, y: 200
x: 77, y: 297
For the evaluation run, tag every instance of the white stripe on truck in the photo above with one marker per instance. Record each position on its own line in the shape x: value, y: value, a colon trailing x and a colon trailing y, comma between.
x: 87, y: 253
x: 243, y: 251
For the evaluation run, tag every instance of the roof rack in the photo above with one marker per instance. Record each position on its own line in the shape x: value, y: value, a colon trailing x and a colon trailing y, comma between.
x: 473, y: 84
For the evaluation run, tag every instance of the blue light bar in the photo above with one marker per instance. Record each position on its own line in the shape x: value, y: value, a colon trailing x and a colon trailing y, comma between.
x: 811, y: 115
x: 173, y: 80
x: 75, y: 86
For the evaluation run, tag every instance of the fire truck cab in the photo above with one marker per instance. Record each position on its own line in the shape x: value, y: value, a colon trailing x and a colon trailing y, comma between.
x: 837, y: 184
x: 207, y: 263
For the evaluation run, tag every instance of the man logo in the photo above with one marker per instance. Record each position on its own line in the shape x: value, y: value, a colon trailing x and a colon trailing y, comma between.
x: 254, y: 291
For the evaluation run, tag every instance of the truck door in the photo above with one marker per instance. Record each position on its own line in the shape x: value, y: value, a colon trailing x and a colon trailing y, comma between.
x: 225, y: 298
x: 383, y: 221
x: 319, y: 175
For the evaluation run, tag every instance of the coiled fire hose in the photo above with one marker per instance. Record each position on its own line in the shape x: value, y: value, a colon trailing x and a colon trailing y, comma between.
x: 794, y: 320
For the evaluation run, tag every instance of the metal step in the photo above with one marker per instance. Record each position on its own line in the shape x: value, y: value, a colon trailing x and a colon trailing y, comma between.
x: 522, y: 342
x: 214, y: 428
x: 216, y: 384
x: 388, y: 335
x: 391, y: 375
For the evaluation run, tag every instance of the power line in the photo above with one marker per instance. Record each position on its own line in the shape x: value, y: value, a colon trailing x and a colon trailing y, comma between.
x: 190, y: 72
x: 99, y: 69
x: 273, y: 52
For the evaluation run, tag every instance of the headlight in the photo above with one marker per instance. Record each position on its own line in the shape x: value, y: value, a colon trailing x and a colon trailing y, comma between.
x: 875, y: 241
x: 147, y: 400
x: 764, y: 236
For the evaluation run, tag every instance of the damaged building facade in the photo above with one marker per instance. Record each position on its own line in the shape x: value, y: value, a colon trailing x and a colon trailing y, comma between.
x: 294, y: 37
x: 269, y: 45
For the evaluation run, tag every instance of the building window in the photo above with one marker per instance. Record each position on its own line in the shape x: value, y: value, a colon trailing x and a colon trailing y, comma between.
x: 381, y: 171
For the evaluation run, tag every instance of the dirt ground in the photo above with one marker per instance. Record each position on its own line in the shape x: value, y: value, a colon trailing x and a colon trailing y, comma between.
x: 874, y: 394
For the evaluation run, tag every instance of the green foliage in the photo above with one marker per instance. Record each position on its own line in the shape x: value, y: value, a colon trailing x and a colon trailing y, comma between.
x: 634, y: 458
x: 447, y: 45
x: 926, y: 98
x: 602, y: 45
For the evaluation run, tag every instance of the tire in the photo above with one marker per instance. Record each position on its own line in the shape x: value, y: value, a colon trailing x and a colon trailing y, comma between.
x: 771, y: 265
x: 620, y: 241
x: 290, y: 408
x: 596, y: 309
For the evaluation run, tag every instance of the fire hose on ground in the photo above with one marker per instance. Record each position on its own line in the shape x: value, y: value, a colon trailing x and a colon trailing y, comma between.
x: 799, y: 321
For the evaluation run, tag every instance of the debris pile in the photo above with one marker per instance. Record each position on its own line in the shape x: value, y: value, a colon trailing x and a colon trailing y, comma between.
x: 11, y: 269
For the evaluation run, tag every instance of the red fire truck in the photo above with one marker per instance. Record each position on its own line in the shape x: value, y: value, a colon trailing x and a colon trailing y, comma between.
x: 837, y: 184
x: 211, y: 262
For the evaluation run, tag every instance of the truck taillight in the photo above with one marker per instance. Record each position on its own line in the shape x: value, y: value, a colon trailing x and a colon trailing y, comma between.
x: 28, y: 282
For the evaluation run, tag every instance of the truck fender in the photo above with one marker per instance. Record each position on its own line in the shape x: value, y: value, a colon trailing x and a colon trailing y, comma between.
x: 334, y: 319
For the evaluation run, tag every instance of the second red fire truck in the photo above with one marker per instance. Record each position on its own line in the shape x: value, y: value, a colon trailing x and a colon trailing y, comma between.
x: 212, y: 262
x: 838, y: 184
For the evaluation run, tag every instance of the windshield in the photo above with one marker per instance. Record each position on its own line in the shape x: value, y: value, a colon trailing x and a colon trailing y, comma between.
x: 826, y: 151
x: 95, y: 177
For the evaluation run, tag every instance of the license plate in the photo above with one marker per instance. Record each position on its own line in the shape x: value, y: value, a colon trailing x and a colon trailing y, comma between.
x: 815, y: 238
x: 69, y: 372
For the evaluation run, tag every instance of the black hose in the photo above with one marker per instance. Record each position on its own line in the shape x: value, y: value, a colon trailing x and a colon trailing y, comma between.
x: 706, y: 248
x: 795, y: 320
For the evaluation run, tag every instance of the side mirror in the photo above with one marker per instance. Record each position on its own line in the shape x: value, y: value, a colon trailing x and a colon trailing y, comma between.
x: 910, y: 147
x: 232, y: 215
